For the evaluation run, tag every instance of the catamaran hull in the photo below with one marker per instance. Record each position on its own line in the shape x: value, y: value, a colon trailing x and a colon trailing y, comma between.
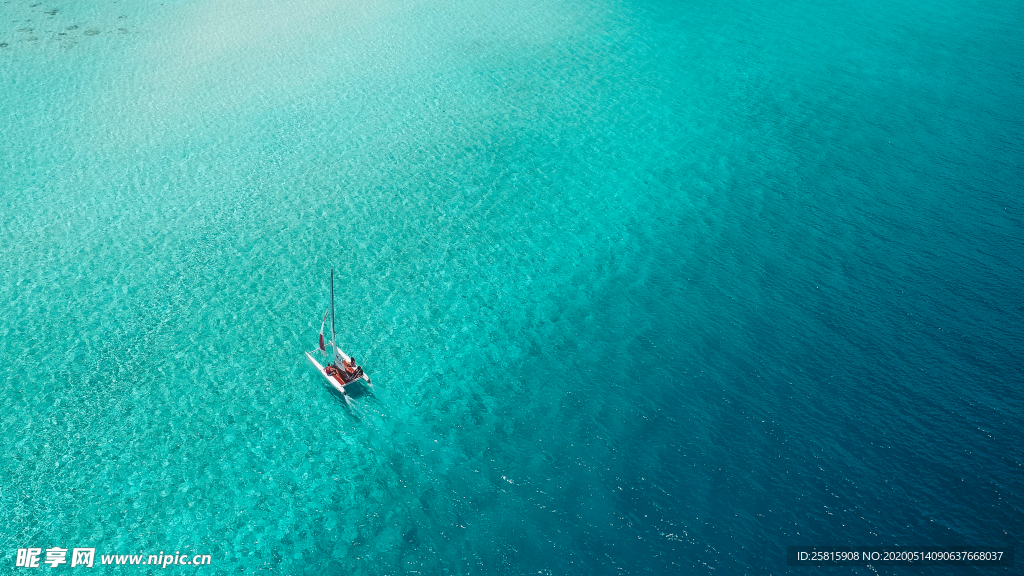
x: 330, y: 379
x: 334, y: 381
x: 347, y: 358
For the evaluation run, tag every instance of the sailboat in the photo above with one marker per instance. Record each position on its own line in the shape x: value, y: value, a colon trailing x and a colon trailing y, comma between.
x: 342, y: 370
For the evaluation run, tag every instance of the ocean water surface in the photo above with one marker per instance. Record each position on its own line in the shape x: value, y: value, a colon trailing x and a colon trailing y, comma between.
x: 644, y: 286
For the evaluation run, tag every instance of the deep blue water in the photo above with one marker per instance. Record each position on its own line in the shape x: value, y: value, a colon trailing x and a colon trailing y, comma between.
x: 644, y: 287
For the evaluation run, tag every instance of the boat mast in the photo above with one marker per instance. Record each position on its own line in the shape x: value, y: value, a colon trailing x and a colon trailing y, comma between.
x: 334, y: 338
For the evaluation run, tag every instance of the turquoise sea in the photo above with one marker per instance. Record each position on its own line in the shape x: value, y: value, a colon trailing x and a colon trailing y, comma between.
x: 644, y: 286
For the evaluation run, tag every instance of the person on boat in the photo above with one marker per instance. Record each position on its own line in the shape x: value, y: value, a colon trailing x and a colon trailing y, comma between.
x: 333, y: 371
x: 353, y: 370
x: 346, y: 374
